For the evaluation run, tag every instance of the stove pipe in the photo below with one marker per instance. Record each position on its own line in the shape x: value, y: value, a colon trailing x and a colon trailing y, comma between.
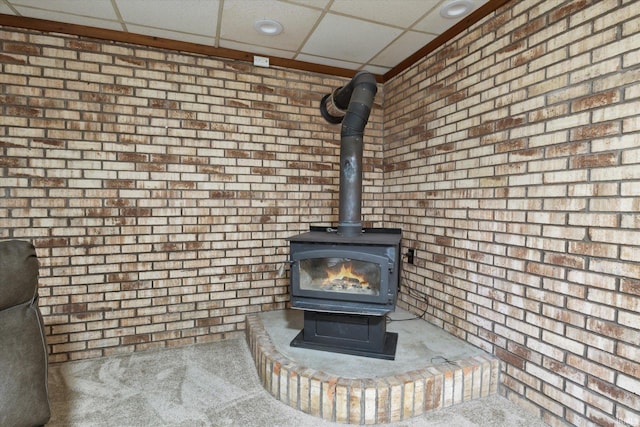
x: 351, y: 105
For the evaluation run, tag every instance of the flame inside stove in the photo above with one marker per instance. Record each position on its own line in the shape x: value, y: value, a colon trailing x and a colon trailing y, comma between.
x: 345, y: 279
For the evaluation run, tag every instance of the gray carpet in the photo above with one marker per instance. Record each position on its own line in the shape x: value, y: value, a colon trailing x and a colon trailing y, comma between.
x: 212, y: 384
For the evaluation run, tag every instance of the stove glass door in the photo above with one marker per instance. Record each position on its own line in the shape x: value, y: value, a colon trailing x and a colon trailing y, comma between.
x: 340, y: 275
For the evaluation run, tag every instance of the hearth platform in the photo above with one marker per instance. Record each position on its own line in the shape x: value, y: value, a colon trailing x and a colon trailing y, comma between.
x: 432, y: 370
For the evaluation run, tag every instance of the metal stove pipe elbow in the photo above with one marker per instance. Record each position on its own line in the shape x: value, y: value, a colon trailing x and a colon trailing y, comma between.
x: 351, y: 105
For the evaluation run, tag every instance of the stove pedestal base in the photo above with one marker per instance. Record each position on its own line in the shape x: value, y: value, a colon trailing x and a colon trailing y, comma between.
x: 358, y: 335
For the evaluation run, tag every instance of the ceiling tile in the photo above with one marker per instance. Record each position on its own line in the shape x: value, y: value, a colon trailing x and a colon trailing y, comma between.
x: 188, y: 16
x: 238, y: 17
x: 68, y: 18
x: 327, y: 61
x: 436, y: 24
x: 260, y: 50
x: 349, y: 39
x: 95, y: 8
x: 402, y: 13
x: 402, y: 48
x: 318, y: 4
x: 171, y: 35
x: 375, y: 69
x: 4, y: 9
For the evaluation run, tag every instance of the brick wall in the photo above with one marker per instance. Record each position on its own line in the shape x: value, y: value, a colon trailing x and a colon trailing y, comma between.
x: 159, y: 187
x: 512, y: 163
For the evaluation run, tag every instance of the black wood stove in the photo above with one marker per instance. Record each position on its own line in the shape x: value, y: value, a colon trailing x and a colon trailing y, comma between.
x: 346, y: 285
x: 346, y: 279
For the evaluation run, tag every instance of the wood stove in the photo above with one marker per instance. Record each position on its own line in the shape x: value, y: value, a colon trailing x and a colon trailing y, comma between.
x: 346, y: 279
x: 346, y: 285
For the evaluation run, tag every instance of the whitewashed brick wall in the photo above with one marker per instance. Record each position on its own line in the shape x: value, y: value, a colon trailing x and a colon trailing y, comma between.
x: 512, y: 165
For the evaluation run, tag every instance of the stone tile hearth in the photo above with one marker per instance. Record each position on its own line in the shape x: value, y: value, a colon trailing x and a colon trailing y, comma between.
x: 356, y: 390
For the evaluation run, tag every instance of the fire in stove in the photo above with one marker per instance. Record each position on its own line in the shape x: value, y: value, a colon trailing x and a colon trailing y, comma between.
x: 339, y: 275
x: 345, y: 280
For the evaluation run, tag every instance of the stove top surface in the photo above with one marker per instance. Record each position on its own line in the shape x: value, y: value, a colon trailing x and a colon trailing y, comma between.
x: 369, y: 236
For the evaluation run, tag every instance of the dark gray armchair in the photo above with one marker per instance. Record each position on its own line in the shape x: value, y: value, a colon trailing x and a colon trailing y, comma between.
x: 24, y: 400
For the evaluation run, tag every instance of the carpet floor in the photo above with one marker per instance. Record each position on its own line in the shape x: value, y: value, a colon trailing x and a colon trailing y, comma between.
x: 213, y: 384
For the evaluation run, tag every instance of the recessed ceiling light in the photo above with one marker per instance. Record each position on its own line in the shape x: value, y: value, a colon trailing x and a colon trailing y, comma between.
x: 268, y: 27
x: 456, y: 9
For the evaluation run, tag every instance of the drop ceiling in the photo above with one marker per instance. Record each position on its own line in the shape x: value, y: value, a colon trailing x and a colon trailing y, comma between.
x: 372, y: 35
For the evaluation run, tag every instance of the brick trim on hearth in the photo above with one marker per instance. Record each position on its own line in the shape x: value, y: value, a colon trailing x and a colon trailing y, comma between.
x: 371, y: 400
